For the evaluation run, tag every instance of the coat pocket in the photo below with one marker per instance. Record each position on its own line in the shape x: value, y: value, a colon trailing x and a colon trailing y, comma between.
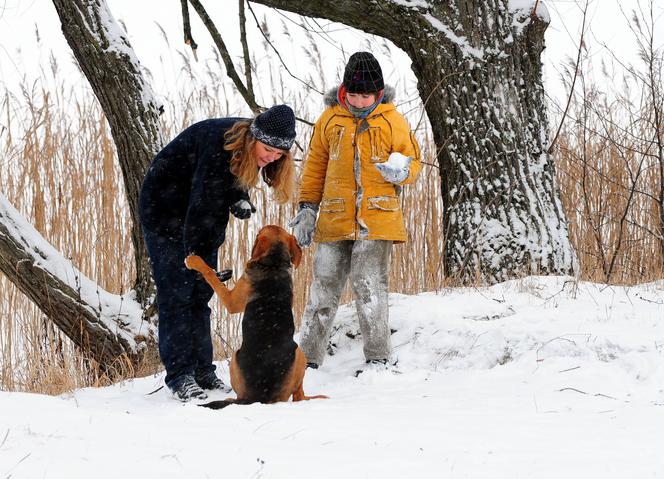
x: 332, y: 205
x: 383, y: 203
x: 336, y: 140
x: 376, y: 140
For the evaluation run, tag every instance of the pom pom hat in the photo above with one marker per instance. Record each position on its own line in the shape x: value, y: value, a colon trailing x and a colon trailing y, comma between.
x: 275, y: 127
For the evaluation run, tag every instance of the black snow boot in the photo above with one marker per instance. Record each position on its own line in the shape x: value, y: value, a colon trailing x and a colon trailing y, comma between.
x: 213, y: 383
x: 188, y: 390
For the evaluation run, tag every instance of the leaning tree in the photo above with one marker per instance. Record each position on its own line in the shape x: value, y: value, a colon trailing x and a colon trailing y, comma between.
x: 104, y: 326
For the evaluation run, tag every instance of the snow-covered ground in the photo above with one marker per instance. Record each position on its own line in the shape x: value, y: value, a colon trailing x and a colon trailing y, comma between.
x: 538, y: 378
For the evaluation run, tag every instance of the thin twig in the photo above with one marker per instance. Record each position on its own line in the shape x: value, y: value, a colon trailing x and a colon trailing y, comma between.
x: 258, y: 25
x: 5, y: 438
x: 245, y: 48
x: 226, y: 56
x: 576, y: 74
x: 188, y: 38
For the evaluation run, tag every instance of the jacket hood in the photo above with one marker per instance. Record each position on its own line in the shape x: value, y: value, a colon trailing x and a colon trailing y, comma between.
x: 330, y: 98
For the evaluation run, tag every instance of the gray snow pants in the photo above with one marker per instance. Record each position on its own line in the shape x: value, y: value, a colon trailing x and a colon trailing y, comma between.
x: 367, y: 261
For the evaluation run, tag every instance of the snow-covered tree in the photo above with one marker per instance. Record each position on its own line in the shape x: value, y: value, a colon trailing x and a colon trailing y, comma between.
x: 479, y: 74
x: 107, y: 327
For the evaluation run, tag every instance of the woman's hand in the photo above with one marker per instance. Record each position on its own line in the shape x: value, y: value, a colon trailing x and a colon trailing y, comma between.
x: 242, y: 209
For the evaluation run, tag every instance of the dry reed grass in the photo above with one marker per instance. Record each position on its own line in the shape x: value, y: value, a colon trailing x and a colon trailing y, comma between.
x: 610, y: 165
x: 59, y: 170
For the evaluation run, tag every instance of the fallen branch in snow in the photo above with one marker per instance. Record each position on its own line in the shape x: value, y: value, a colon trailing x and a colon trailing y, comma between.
x: 573, y: 281
x: 5, y: 438
x: 588, y: 394
x: 550, y: 341
x: 649, y: 300
x: 570, y: 369
x: 156, y: 390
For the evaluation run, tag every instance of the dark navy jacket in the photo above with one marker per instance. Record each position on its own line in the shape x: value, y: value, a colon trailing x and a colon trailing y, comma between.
x: 188, y: 188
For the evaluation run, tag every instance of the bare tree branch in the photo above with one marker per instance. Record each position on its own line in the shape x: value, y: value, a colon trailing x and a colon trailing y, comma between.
x: 245, y: 48
x: 576, y: 73
x: 283, y: 63
x: 188, y: 39
x: 226, y: 57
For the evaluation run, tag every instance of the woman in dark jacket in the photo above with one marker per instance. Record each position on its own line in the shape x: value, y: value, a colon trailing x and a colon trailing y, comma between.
x: 188, y: 192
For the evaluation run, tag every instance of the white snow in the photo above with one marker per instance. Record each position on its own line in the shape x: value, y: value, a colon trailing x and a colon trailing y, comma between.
x: 538, y: 378
x: 462, y: 42
x: 116, y: 40
x: 422, y: 4
x: 525, y: 8
x: 398, y: 161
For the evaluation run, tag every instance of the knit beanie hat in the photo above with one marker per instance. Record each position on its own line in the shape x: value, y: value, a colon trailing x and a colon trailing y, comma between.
x: 275, y: 127
x: 363, y: 74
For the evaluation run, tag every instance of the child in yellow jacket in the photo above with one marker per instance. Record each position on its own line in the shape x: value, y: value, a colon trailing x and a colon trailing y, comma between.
x: 362, y: 151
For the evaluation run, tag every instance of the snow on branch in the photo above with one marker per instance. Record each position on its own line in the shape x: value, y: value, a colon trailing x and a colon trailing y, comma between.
x: 462, y: 42
x: 120, y: 314
x: 112, y: 37
x: 523, y: 10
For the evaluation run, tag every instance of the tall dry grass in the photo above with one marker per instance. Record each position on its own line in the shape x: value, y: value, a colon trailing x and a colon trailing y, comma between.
x: 59, y: 170
x: 610, y: 160
x: 58, y: 167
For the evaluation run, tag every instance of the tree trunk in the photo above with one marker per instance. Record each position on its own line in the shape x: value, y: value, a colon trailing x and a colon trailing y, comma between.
x: 108, y: 61
x: 106, y: 327
x: 479, y: 73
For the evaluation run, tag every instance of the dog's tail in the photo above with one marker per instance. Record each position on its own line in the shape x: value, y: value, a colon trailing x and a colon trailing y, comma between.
x: 224, y: 402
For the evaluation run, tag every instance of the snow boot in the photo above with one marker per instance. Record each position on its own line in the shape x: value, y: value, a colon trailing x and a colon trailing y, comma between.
x: 188, y: 390
x: 213, y: 383
x: 376, y: 365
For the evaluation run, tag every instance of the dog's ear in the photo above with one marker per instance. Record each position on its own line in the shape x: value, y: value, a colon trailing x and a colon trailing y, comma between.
x: 295, y: 251
x: 261, y: 247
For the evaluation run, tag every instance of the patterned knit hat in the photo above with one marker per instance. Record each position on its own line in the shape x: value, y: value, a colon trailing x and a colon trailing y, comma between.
x: 363, y: 74
x: 275, y: 127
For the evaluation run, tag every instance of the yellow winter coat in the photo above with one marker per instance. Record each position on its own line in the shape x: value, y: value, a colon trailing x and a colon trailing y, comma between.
x: 357, y: 204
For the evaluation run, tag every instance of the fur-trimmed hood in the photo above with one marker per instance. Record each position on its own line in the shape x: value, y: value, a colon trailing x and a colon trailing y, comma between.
x: 330, y: 98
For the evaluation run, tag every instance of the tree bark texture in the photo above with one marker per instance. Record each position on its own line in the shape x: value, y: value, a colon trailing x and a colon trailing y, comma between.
x: 108, y: 62
x: 105, y: 327
x: 480, y: 76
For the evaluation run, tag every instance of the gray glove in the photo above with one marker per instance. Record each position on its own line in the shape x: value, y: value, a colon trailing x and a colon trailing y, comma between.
x: 396, y: 168
x: 304, y: 223
x: 242, y: 209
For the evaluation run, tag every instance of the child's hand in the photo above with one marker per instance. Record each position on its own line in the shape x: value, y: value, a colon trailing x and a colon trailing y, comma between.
x: 396, y: 168
x: 304, y: 223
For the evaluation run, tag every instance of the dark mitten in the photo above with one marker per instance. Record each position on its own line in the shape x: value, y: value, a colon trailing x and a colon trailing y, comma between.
x: 242, y: 209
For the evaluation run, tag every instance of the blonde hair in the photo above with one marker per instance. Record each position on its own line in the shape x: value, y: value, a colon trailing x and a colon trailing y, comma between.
x: 279, y: 175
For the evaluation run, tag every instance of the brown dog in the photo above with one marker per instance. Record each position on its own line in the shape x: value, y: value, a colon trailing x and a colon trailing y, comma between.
x: 269, y: 366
